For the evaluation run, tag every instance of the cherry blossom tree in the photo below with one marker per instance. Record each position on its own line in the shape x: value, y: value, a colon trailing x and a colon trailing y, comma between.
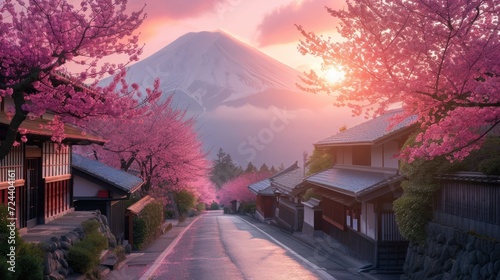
x: 162, y: 146
x: 237, y: 188
x: 38, y: 39
x: 439, y: 59
x: 204, y: 190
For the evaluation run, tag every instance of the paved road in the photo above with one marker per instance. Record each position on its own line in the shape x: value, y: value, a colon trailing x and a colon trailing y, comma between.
x: 218, y: 246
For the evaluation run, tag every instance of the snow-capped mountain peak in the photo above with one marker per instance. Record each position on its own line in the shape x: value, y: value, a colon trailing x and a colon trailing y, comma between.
x: 214, y: 65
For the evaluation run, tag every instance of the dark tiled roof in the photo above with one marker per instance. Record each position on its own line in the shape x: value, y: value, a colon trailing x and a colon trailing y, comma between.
x: 264, y: 187
x: 36, y: 128
x: 471, y: 177
x: 114, y: 177
x: 352, y: 182
x: 287, y: 183
x: 261, y: 187
x: 368, y: 132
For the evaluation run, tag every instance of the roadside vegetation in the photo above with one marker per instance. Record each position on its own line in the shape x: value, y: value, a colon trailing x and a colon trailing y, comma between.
x: 414, y: 209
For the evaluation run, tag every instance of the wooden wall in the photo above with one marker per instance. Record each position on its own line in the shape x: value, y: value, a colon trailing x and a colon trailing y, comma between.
x: 469, y: 206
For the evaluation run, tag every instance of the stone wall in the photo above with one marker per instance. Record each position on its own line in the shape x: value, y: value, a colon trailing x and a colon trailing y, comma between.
x: 453, y: 254
x: 57, y: 248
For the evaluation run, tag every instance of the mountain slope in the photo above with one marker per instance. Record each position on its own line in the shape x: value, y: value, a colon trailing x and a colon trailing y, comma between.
x: 245, y: 101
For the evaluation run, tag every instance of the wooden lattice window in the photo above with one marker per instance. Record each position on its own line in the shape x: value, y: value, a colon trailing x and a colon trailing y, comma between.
x: 56, y: 159
x: 13, y: 161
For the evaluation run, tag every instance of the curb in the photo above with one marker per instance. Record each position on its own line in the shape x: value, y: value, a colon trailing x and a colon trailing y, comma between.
x: 318, y: 269
x: 147, y: 275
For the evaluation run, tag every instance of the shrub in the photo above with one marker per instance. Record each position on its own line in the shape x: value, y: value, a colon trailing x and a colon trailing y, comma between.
x: 412, y: 214
x: 414, y: 209
x: 90, y: 226
x: 140, y: 232
x: 81, y: 259
x: 310, y: 194
x: 95, y: 242
x: 147, y: 224
x: 185, y: 201
x: 29, y: 264
x: 200, y: 206
x: 490, y: 166
x: 84, y: 255
x: 4, y: 269
x: 119, y: 252
x: 214, y: 206
x: 248, y: 207
x: 5, y: 232
x: 169, y: 213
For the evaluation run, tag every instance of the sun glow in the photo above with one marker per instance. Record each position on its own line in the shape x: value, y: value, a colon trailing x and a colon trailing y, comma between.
x: 333, y: 75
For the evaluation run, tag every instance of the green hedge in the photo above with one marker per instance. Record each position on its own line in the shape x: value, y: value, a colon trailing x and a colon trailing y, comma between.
x: 185, y: 201
x: 29, y: 256
x: 214, y: 206
x: 147, y: 224
x: 83, y: 256
x: 414, y: 209
x: 248, y: 207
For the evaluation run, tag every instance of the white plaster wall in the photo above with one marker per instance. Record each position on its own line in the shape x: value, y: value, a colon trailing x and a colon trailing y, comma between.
x: 308, y: 216
x: 377, y: 159
x: 82, y: 187
x: 390, y: 151
x: 348, y: 155
x: 370, y: 220
x: 339, y: 155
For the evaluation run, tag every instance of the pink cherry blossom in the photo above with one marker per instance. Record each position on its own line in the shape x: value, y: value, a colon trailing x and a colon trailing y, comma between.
x: 38, y: 39
x: 237, y: 188
x: 161, y: 146
x: 438, y: 59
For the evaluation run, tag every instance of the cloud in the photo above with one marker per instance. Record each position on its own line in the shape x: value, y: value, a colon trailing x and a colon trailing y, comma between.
x: 278, y: 27
x: 176, y: 10
x: 161, y: 12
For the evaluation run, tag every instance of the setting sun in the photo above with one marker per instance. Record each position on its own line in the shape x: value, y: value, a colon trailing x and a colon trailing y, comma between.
x: 333, y: 75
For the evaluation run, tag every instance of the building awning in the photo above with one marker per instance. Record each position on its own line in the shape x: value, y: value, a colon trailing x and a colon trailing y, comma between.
x: 38, y: 128
x: 338, y: 197
x: 137, y: 207
x: 359, y: 184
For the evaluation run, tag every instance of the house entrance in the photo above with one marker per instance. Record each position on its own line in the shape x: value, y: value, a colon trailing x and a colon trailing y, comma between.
x: 34, y: 189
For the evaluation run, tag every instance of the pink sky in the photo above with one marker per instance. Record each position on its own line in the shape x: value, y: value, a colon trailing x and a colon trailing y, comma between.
x: 265, y: 24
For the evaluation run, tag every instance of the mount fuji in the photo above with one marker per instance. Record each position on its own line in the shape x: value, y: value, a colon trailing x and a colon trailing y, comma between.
x: 244, y: 101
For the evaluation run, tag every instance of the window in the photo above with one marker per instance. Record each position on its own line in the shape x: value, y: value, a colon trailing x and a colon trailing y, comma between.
x: 352, y: 218
x: 362, y: 155
x: 56, y: 159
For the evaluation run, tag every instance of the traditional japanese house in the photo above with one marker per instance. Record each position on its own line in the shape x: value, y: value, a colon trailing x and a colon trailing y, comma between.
x: 97, y: 186
x: 41, y: 169
x: 266, y: 196
x: 290, y: 188
x: 357, y: 193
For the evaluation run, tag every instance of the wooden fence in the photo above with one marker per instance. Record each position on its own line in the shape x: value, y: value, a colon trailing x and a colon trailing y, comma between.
x: 470, y: 205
